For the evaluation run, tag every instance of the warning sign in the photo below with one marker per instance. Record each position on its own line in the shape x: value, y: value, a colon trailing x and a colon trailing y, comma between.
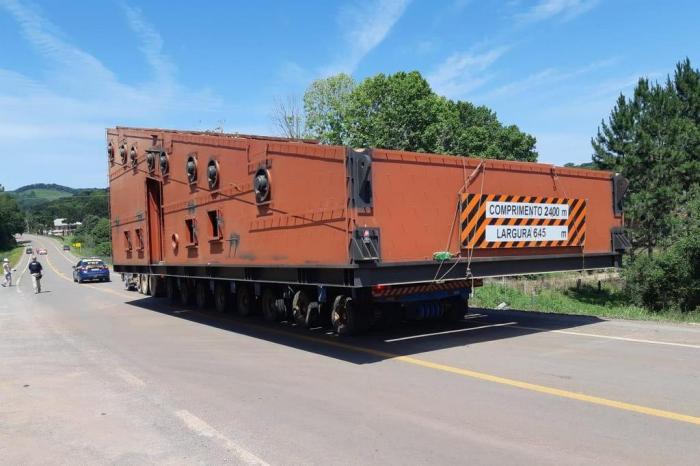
x: 507, y: 221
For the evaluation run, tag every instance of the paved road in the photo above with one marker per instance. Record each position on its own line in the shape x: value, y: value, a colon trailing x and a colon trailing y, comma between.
x: 92, y: 374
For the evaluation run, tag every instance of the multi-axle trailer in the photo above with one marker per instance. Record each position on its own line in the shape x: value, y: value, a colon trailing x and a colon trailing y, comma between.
x: 357, y: 237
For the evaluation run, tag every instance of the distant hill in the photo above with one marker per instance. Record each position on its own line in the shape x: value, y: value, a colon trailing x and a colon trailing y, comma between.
x: 34, y: 195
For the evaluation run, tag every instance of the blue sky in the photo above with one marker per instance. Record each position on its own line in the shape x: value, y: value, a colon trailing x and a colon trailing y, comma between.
x: 553, y: 67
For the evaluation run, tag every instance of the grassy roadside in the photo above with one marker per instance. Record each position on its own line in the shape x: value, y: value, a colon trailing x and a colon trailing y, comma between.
x: 14, y: 255
x: 83, y: 251
x: 588, y: 300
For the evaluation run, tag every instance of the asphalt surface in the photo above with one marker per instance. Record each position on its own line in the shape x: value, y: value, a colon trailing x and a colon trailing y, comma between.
x: 93, y: 374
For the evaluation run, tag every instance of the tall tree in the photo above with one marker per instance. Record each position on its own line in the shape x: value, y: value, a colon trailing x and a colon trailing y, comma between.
x: 325, y: 107
x: 401, y: 111
x: 653, y: 139
x: 11, y: 221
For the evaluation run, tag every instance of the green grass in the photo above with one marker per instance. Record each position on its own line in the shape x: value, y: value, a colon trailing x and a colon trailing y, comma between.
x: 37, y: 196
x: 609, y: 302
x: 14, y: 255
x: 84, y: 251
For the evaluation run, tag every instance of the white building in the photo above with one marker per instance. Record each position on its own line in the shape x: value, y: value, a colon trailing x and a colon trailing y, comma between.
x: 61, y: 228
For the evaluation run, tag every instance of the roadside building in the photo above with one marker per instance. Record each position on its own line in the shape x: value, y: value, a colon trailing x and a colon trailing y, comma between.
x: 63, y: 228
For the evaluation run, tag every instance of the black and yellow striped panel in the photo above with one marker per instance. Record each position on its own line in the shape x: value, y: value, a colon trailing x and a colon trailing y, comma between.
x: 527, y: 223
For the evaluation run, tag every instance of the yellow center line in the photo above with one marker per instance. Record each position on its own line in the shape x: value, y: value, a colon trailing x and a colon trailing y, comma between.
x: 591, y: 399
x: 70, y: 279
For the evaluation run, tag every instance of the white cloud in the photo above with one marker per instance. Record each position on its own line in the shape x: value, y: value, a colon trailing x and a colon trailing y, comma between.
x: 463, y: 72
x: 546, y: 77
x: 563, y: 9
x: 73, y: 96
x: 365, y: 27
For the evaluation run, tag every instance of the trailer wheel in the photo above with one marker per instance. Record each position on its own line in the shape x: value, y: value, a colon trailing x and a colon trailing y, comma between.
x: 222, y: 297
x: 127, y: 282
x: 245, y: 301
x: 300, y: 308
x: 344, y: 316
x: 171, y: 289
x: 186, y: 292
x: 203, y: 296
x: 143, y: 284
x: 454, y: 309
x: 157, y: 286
x: 268, y: 301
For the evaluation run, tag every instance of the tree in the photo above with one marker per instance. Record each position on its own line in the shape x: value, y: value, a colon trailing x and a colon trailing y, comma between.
x: 653, y: 139
x: 11, y: 221
x: 401, y: 111
x: 288, y: 116
x: 325, y: 107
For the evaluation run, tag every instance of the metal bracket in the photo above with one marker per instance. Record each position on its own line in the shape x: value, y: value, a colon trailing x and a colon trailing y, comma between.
x: 359, y: 175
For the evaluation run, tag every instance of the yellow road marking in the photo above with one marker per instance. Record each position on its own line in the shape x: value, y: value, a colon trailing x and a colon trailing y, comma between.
x: 611, y: 337
x: 596, y: 400
x: 621, y: 405
x: 65, y: 277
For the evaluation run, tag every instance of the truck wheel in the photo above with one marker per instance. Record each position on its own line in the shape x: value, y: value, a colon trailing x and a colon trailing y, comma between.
x: 245, y: 301
x: 344, y: 316
x: 267, y: 302
x: 454, y: 309
x: 126, y: 279
x: 222, y: 297
x: 186, y: 292
x: 171, y: 291
x: 156, y: 285
x: 202, y: 295
x: 143, y: 284
x: 300, y: 308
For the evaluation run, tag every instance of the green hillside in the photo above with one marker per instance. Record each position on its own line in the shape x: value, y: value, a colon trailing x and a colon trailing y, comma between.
x: 34, y: 195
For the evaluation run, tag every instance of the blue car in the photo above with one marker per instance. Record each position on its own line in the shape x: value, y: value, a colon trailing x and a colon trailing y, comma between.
x: 90, y: 270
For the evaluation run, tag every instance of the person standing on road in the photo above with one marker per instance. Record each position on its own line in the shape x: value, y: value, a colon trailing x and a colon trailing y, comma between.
x: 6, y: 272
x: 35, y: 269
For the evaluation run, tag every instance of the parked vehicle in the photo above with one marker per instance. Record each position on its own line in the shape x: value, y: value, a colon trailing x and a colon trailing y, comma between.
x: 355, y: 237
x: 42, y: 251
x: 92, y: 269
x: 28, y: 250
x: 66, y: 247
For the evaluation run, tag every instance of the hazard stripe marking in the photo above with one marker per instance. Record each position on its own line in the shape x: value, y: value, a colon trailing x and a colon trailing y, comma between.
x: 522, y: 221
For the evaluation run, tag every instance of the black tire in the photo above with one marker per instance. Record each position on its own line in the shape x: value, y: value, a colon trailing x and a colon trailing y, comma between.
x: 186, y: 292
x: 171, y: 291
x: 300, y: 308
x: 344, y: 316
x: 157, y: 286
x: 203, y: 296
x: 222, y: 296
x: 454, y: 309
x: 268, y: 305
x: 245, y: 301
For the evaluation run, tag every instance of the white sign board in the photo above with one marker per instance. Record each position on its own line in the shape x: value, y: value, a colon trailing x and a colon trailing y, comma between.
x: 505, y: 233
x: 496, y: 209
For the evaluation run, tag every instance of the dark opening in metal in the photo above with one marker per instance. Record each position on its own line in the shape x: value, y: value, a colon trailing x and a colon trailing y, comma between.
x: 110, y: 152
x: 213, y: 174
x: 191, y: 169
x: 122, y: 153
x: 134, y: 155
x: 164, y: 164
x: 261, y: 185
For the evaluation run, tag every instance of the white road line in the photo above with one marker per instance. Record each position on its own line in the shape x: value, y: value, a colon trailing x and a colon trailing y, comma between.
x: 129, y: 378
x: 611, y: 337
x: 200, y: 427
x: 447, y: 332
x: 19, y: 279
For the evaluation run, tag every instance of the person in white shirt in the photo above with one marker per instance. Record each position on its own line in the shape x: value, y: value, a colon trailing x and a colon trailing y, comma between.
x: 7, y: 272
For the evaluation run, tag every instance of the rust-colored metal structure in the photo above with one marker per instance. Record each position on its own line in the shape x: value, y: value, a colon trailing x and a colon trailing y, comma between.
x: 298, y: 227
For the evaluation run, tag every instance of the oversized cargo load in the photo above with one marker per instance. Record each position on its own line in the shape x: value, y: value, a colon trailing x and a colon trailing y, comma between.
x: 368, y: 225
